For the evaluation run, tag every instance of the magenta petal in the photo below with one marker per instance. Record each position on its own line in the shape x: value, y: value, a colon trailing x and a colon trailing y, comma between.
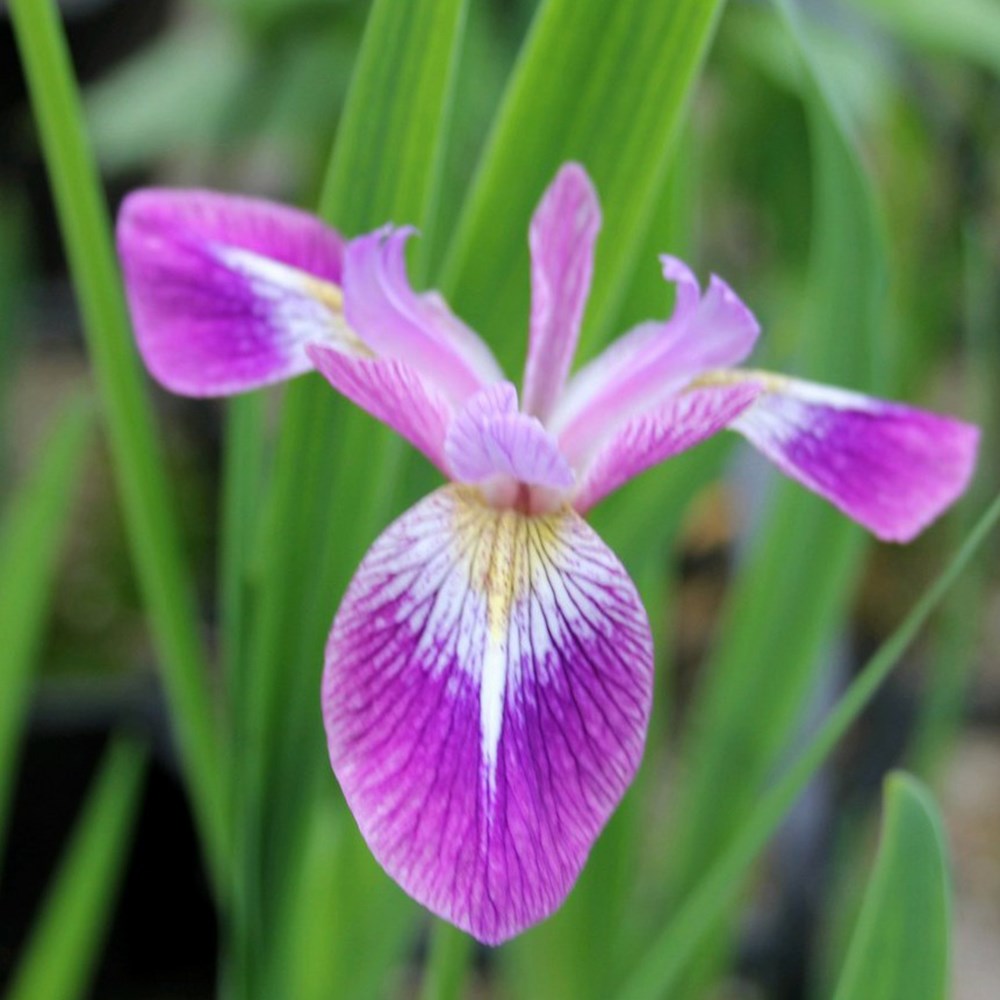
x: 489, y: 437
x: 420, y: 330
x: 562, y: 236
x: 650, y: 363
x: 392, y: 392
x: 891, y: 467
x: 225, y: 291
x: 486, y: 697
x: 678, y: 424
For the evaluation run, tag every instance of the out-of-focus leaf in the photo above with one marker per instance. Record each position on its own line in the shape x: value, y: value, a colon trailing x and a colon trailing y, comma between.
x: 321, y: 513
x: 347, y: 925
x: 170, y: 96
x: 607, y: 84
x: 13, y: 265
x: 960, y: 29
x: 141, y: 476
x: 30, y: 537
x: 794, y: 586
x: 660, y: 971
x: 901, y: 943
x: 65, y: 944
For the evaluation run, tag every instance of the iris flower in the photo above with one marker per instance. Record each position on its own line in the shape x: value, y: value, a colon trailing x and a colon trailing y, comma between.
x: 489, y: 673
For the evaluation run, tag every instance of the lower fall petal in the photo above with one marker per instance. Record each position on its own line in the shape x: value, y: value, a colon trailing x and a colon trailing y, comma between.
x: 486, y: 697
x: 891, y: 467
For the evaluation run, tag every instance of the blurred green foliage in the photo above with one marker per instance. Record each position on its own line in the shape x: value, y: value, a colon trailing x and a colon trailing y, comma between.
x: 836, y: 161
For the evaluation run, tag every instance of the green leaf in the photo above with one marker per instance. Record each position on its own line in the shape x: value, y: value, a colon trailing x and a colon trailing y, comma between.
x: 447, y: 963
x: 607, y: 84
x: 31, y: 534
x: 142, y: 480
x: 805, y: 555
x: 900, y: 946
x: 188, y: 80
x: 962, y: 29
x: 64, y: 946
x: 668, y: 958
x: 320, y: 514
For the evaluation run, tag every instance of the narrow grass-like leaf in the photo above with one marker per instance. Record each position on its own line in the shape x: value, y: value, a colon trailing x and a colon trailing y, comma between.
x: 670, y: 955
x: 607, y: 85
x: 957, y: 638
x: 321, y: 512
x: 901, y: 943
x: 30, y: 536
x: 805, y: 556
x: 63, y: 950
x: 604, y: 83
x: 139, y: 467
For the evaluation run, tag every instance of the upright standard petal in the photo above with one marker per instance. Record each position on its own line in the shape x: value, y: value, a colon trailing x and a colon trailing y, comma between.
x: 562, y: 237
x: 420, y: 330
x: 486, y: 697
x: 490, y: 438
x: 226, y: 291
x: 648, y: 365
x: 891, y: 467
x: 680, y: 423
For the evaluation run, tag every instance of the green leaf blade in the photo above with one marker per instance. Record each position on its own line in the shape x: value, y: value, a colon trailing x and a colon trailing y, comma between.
x: 139, y: 466
x: 62, y: 952
x: 901, y: 943
x: 30, y: 535
x: 606, y: 84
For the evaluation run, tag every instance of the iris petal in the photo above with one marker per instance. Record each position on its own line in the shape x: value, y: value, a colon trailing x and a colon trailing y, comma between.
x: 486, y: 697
x: 562, y: 236
x: 417, y: 329
x: 225, y: 291
x: 640, y: 371
x: 679, y: 423
x: 891, y: 467
x: 391, y: 391
x: 489, y: 437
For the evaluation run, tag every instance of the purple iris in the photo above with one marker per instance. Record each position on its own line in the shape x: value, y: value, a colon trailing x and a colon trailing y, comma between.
x: 489, y: 673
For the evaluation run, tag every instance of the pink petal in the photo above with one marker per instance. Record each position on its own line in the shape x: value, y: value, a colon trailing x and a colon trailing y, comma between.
x: 489, y: 437
x: 562, y: 237
x: 645, y: 440
x: 486, y: 697
x: 419, y: 330
x: 891, y: 467
x: 652, y: 362
x: 225, y: 291
x: 391, y: 391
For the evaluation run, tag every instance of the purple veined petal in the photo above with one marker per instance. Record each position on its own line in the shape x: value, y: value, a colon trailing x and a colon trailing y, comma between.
x: 486, y: 696
x: 489, y: 438
x: 645, y: 440
x: 891, y: 467
x: 391, y: 391
x: 562, y: 237
x: 420, y: 330
x: 653, y: 361
x: 226, y: 291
